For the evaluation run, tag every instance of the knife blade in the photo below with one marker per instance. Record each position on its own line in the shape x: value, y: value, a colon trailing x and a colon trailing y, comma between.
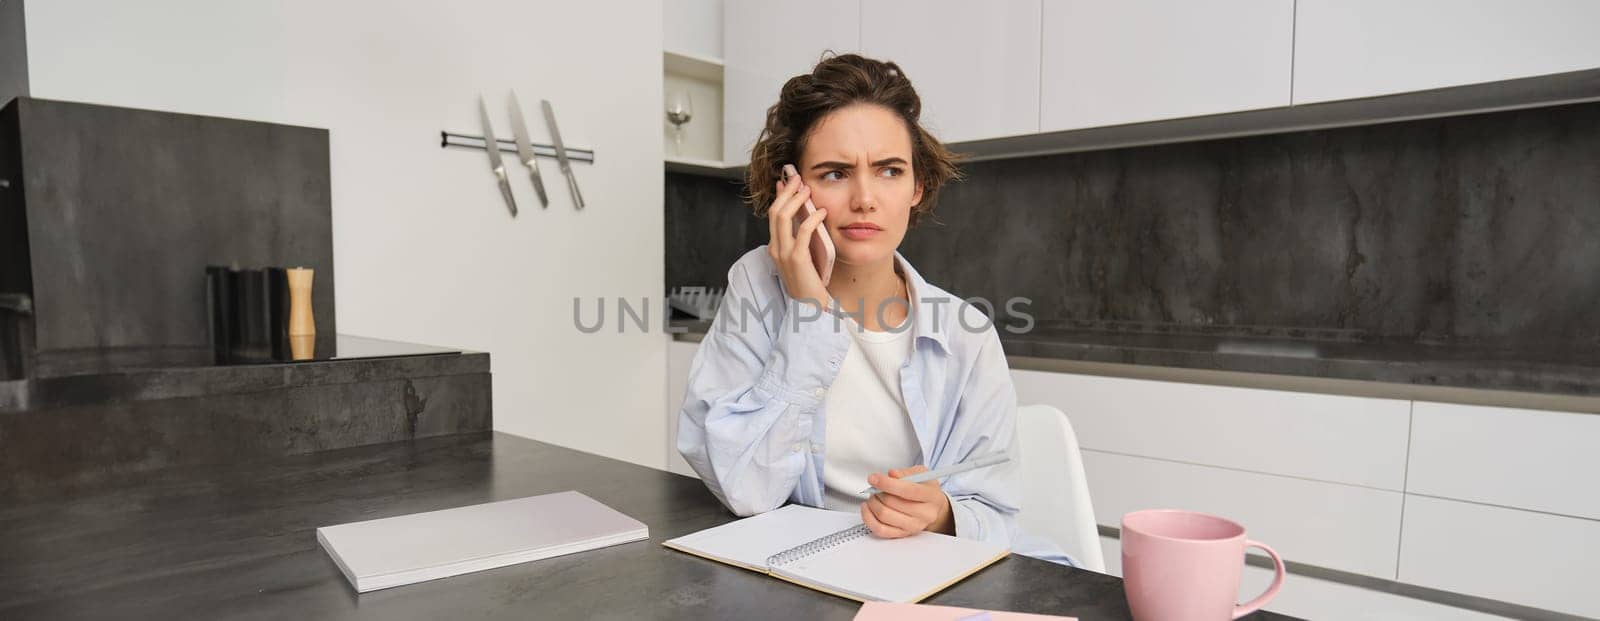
x: 561, y: 152
x: 493, y: 147
x: 519, y: 131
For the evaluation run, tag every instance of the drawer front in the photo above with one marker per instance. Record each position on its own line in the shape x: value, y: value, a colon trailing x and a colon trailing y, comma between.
x: 1331, y: 525
x: 1529, y: 459
x: 1535, y: 559
x: 1354, y: 440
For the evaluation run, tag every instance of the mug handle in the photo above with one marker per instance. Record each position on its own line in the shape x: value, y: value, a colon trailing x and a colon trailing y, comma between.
x: 1272, y: 591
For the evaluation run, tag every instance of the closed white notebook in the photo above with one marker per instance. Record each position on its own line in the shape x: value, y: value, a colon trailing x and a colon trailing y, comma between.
x: 831, y: 551
x: 394, y: 551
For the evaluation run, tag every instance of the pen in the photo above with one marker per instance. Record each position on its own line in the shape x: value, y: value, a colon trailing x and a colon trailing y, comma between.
x: 939, y: 473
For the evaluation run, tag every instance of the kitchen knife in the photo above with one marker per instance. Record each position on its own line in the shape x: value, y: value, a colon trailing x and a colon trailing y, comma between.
x: 561, y: 153
x: 493, y: 147
x: 519, y: 130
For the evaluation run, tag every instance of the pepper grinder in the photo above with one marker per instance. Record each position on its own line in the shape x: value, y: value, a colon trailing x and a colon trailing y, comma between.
x: 302, y: 326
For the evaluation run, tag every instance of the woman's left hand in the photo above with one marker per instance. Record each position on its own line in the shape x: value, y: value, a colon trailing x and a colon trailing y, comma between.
x: 902, y: 509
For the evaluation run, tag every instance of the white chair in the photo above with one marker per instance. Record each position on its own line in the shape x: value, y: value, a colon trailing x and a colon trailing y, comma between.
x: 1055, y: 492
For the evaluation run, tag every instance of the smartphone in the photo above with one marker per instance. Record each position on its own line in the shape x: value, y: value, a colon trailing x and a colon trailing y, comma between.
x: 822, y: 253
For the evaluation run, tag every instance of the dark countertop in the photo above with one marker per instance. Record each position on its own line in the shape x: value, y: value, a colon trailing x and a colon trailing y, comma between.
x: 1568, y: 371
x: 1571, y: 372
x: 239, y: 542
x: 358, y: 359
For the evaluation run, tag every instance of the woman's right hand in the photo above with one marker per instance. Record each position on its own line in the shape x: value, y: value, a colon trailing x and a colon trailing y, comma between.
x: 791, y: 249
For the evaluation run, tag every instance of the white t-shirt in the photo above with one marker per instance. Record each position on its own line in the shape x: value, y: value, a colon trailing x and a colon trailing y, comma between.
x: 867, y: 425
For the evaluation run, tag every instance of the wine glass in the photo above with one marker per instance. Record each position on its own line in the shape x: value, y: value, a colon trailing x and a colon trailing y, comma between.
x: 680, y: 108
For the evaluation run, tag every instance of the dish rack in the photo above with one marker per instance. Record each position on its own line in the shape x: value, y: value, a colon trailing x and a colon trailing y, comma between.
x: 702, y: 302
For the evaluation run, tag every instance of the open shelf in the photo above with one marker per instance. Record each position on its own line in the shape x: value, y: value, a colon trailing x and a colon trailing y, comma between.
x: 701, y: 77
x: 702, y: 167
x: 692, y: 65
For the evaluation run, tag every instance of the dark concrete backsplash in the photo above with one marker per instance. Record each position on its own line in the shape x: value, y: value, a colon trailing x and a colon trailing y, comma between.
x: 114, y: 213
x: 13, y: 51
x: 1481, y: 229
x: 708, y: 227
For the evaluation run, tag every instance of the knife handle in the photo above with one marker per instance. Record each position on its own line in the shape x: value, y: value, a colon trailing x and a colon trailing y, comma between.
x: 572, y: 184
x: 505, y: 191
x: 538, y: 188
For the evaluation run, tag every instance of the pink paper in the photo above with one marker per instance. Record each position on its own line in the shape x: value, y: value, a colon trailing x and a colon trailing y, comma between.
x: 886, y: 611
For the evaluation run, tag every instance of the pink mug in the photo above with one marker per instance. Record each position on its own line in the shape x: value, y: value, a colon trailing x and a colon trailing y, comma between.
x: 1181, y: 565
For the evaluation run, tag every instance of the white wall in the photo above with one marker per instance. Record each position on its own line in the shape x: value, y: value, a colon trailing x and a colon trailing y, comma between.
x: 424, y: 249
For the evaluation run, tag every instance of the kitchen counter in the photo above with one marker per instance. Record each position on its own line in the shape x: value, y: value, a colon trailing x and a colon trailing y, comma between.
x: 358, y: 359
x: 60, y: 434
x: 1550, y: 377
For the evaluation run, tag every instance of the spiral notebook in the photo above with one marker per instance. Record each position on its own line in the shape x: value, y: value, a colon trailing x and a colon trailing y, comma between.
x: 832, y: 552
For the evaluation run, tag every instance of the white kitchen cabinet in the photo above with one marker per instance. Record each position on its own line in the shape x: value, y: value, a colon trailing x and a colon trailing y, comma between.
x: 1344, y: 527
x: 692, y: 27
x: 1528, y: 459
x: 1534, y: 559
x: 1346, y: 49
x: 1343, y: 439
x: 679, y: 356
x: 765, y: 43
x: 975, y: 64
x: 1131, y: 61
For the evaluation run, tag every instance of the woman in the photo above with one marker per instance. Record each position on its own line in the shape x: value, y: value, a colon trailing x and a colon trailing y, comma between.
x: 810, y: 393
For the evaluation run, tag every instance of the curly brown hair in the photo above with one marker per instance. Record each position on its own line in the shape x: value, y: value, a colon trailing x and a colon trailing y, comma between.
x: 837, y: 82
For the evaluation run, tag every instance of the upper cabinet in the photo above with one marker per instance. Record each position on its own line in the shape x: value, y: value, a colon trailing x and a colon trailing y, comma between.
x: 1016, y: 77
x: 767, y: 42
x: 1131, y: 61
x: 692, y: 27
x: 975, y: 64
x: 1345, y: 49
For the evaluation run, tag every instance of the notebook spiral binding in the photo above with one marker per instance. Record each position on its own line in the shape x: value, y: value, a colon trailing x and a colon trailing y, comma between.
x: 818, y: 545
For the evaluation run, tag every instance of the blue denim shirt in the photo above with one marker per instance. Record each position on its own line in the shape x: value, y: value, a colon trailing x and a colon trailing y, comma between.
x: 752, y: 422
